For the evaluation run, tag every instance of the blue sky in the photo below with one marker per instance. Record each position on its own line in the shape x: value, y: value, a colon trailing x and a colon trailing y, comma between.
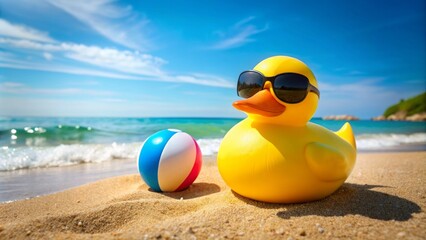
x: 182, y: 58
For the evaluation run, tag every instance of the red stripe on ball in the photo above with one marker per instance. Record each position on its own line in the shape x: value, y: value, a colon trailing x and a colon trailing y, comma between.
x: 195, y: 169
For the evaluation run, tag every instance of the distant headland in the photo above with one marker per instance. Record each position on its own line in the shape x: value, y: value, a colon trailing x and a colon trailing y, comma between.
x: 410, y: 109
x: 341, y: 117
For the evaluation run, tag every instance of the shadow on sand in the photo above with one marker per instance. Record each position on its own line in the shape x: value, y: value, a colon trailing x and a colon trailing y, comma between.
x: 350, y: 199
x: 194, y: 191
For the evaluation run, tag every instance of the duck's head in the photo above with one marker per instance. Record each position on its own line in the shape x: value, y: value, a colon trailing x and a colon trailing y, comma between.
x: 280, y: 100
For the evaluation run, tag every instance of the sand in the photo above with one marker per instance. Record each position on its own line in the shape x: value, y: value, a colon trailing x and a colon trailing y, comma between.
x: 384, y: 198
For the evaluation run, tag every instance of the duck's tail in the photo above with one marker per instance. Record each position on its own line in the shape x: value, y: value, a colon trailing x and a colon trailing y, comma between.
x: 347, y: 134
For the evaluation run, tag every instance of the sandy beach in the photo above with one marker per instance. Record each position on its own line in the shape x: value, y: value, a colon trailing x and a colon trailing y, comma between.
x: 384, y: 198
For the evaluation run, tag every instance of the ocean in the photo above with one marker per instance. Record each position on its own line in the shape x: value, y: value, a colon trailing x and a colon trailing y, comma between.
x: 54, y: 142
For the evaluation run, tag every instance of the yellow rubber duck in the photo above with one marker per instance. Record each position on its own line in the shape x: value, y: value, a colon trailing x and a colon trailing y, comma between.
x: 276, y: 155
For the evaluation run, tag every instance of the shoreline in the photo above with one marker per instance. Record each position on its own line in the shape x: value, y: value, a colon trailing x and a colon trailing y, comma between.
x: 383, y: 198
x: 50, y: 180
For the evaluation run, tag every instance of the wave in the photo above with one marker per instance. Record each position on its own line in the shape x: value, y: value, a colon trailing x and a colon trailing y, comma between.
x: 65, y: 155
x: 40, y: 136
x: 209, y: 146
x: 378, y: 141
x: 80, y: 134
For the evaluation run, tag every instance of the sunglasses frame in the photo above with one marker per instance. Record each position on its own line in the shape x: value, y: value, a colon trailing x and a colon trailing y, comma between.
x: 310, y: 88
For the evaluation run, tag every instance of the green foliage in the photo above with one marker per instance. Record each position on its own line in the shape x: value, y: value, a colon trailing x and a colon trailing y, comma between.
x: 411, y: 105
x: 391, y: 110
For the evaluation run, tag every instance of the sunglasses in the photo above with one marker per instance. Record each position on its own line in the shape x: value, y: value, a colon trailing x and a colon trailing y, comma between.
x: 288, y: 87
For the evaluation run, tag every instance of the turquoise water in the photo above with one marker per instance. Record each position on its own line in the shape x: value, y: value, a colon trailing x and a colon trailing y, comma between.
x: 41, y: 142
x: 54, y: 131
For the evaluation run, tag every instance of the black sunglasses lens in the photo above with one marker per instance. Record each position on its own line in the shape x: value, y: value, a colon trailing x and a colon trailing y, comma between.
x: 249, y: 83
x: 291, y: 87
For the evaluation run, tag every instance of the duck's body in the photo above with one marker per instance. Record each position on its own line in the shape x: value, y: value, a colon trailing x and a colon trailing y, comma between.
x: 283, y: 164
x: 276, y: 155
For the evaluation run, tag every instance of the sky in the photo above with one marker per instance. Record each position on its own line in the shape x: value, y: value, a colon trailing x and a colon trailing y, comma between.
x: 182, y: 58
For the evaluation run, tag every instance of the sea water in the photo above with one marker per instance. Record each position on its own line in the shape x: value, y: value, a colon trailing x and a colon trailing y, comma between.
x: 48, y: 142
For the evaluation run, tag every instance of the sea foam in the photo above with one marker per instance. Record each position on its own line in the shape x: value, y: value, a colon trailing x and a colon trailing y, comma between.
x: 63, y: 155
x: 378, y: 141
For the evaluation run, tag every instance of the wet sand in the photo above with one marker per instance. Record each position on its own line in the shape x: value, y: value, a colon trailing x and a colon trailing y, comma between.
x: 28, y: 183
x: 384, y: 198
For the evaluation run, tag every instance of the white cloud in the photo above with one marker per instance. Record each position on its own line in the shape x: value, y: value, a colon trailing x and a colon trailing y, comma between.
x: 202, y: 79
x: 22, y: 32
x: 117, y: 23
x: 239, y: 34
x: 47, y: 56
x: 122, y: 61
x: 19, y: 88
x: 117, y: 64
x: 132, y: 65
x: 16, y: 64
x: 213, y: 81
x: 29, y: 44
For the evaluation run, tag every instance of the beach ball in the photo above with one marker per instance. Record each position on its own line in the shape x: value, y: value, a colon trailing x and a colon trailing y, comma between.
x: 169, y: 160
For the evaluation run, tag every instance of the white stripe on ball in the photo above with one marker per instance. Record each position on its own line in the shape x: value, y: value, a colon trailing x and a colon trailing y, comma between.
x: 176, y: 161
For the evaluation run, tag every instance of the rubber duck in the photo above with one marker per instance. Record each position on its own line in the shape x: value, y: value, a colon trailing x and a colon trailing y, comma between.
x: 275, y: 154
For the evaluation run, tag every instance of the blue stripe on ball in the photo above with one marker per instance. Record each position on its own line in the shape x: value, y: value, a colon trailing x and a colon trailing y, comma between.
x: 152, y: 150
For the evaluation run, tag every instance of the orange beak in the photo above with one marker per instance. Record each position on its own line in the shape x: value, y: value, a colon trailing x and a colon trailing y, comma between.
x: 262, y: 103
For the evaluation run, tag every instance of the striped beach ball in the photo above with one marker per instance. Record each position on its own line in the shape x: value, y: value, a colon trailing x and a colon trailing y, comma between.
x: 169, y: 160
